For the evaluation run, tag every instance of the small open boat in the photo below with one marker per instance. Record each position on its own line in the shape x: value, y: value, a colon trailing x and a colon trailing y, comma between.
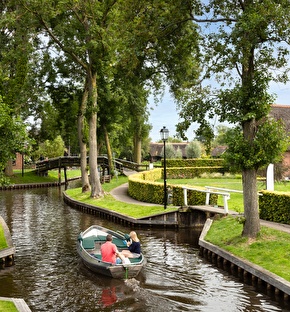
x: 88, y: 247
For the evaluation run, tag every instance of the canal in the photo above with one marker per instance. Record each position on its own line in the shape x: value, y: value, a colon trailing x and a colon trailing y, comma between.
x: 49, y: 276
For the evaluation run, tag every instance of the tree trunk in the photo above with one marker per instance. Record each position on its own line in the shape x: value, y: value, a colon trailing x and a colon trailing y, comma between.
x: 137, y: 148
x: 109, y: 151
x: 96, y: 188
x: 251, y: 211
x: 8, y: 171
x: 83, y: 147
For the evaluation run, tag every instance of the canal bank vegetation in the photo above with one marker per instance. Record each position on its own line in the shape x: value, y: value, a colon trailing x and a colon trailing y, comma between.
x: 30, y: 176
x: 110, y: 203
x: 7, y: 306
x: 3, y: 242
x: 270, y: 250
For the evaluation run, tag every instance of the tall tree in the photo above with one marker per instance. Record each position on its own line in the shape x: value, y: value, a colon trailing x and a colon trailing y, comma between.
x: 244, y: 45
x: 83, y: 32
x: 15, y: 51
x: 160, y: 47
x: 143, y: 40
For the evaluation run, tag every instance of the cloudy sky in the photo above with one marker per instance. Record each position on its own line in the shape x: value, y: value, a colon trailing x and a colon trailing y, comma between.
x: 165, y: 113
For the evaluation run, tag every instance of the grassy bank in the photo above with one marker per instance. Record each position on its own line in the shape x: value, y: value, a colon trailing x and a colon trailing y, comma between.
x: 30, y: 176
x: 228, y: 182
x: 3, y: 243
x: 110, y: 203
x: 7, y: 306
x: 270, y: 250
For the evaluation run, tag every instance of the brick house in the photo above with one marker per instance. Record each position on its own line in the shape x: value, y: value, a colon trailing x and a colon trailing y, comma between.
x: 156, y: 150
x: 17, y: 162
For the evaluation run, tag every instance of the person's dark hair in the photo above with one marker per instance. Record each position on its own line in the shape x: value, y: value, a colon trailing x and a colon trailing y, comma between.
x: 109, y: 237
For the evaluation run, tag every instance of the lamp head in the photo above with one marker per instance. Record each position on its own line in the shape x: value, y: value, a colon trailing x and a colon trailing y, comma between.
x: 164, y: 133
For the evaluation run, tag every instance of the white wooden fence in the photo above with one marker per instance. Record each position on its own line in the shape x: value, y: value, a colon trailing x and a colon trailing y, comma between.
x: 208, y: 191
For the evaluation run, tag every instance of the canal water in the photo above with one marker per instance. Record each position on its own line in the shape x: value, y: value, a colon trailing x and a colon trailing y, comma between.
x: 49, y: 275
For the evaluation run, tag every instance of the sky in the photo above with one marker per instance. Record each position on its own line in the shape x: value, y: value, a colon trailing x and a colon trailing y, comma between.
x: 165, y: 112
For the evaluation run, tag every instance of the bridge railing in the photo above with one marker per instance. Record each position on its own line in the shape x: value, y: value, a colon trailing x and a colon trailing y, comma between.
x: 226, y: 196
x: 132, y: 165
x: 57, y: 162
x: 70, y: 161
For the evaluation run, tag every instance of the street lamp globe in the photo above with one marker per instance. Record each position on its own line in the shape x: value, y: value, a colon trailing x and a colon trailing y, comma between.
x: 164, y: 133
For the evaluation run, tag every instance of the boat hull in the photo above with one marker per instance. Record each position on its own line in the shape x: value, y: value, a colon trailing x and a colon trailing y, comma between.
x: 89, y: 252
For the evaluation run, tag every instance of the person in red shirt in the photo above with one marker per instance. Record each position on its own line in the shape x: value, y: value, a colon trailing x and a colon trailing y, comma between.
x: 109, y: 251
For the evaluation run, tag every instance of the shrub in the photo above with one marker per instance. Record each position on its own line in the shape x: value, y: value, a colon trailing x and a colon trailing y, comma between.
x: 193, y: 149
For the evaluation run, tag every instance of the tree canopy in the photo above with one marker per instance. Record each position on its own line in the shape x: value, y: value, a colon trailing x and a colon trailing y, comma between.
x: 13, y: 136
x: 244, y: 46
x: 114, y: 51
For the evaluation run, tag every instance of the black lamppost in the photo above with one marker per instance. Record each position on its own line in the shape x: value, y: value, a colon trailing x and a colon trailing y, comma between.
x: 164, y: 132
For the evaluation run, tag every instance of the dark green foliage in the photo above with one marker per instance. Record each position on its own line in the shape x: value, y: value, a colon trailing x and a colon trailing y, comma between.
x: 269, y: 143
x: 142, y: 187
x: 195, y: 162
x: 191, y: 172
x: 194, y: 197
x: 275, y: 206
x: 12, y: 134
x: 150, y: 192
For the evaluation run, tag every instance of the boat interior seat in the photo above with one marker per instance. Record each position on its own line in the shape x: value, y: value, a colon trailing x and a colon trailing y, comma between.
x: 132, y: 260
x: 120, y: 243
x: 135, y: 260
x: 89, y: 242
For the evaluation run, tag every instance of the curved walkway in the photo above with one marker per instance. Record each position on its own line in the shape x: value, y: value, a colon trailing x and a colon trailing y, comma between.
x: 120, y: 193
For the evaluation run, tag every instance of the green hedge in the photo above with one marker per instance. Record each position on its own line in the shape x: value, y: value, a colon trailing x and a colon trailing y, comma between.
x: 194, y: 162
x: 275, y: 206
x: 193, y: 197
x: 190, y: 172
x: 143, y: 188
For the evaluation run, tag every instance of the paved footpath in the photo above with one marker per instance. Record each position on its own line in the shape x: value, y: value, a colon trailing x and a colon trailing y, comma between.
x: 121, y: 193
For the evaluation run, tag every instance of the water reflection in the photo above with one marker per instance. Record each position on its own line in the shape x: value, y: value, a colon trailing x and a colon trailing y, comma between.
x: 49, y: 276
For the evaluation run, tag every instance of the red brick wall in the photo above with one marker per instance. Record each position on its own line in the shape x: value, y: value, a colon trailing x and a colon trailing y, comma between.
x: 286, y: 163
x: 18, y: 161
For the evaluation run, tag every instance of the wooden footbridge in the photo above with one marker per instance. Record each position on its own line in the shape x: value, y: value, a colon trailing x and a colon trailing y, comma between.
x: 65, y: 162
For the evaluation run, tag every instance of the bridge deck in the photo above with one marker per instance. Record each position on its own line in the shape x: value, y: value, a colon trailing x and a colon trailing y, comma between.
x: 75, y: 161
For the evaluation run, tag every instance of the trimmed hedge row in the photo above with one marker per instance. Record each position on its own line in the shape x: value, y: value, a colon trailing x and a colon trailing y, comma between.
x: 275, y: 206
x: 194, y: 162
x: 143, y: 188
x: 190, y: 172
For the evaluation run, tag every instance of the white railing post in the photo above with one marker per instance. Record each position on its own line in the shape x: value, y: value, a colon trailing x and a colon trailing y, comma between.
x: 226, y: 198
x: 207, y: 197
x: 185, y: 196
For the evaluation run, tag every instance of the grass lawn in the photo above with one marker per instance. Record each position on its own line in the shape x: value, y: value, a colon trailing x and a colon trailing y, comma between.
x: 30, y: 176
x: 271, y: 249
x: 7, y: 306
x: 3, y: 243
x: 109, y: 202
x: 235, y: 202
